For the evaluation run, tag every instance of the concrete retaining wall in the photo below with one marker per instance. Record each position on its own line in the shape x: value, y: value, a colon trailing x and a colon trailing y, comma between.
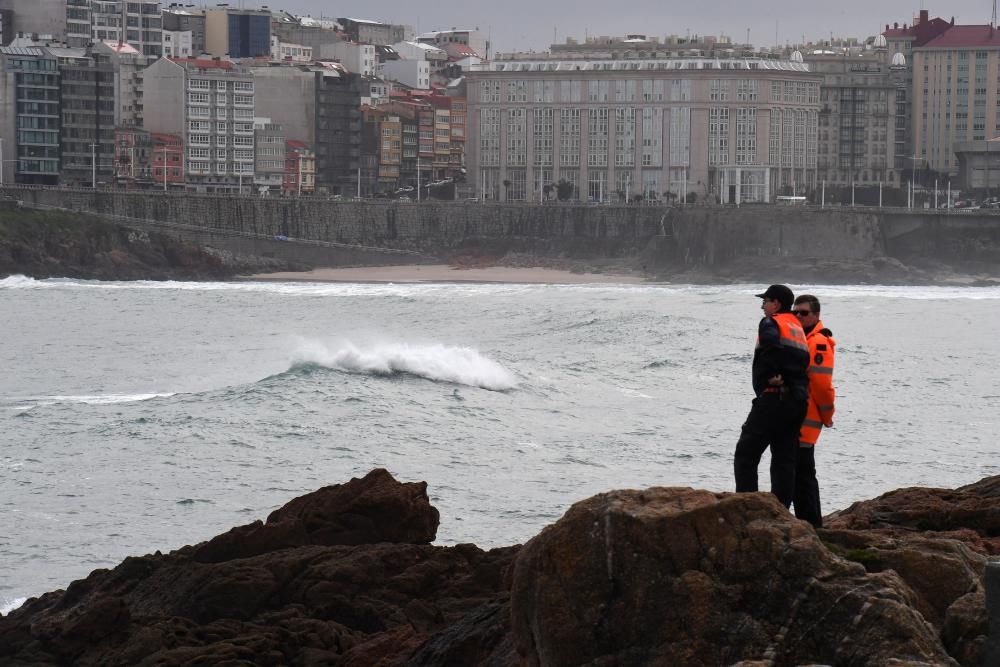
x: 690, y: 236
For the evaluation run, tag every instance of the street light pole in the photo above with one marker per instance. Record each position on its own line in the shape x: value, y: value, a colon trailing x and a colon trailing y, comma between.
x: 93, y: 166
x: 1, y: 161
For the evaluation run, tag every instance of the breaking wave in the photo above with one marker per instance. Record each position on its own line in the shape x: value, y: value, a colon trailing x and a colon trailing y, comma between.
x: 440, y: 363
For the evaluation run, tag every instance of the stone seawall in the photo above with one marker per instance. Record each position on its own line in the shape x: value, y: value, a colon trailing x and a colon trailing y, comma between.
x: 661, y: 239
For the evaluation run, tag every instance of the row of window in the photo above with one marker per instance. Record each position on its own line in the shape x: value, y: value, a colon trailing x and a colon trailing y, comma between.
x: 646, y: 90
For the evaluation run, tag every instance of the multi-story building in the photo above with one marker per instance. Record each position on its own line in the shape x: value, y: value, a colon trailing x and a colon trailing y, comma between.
x: 956, y: 95
x: 900, y: 40
x: 442, y: 136
x: 357, y: 58
x: 412, y: 73
x: 87, y: 129
x: 37, y: 17
x: 422, y: 51
x: 636, y: 47
x: 857, y: 117
x: 287, y: 52
x: 730, y: 130
x: 210, y: 103
x: 269, y: 156
x: 176, y: 19
x: 373, y: 32
x: 338, y: 129
x: 307, y: 31
x: 148, y: 159
x: 167, y: 160
x: 127, y: 64
x: 300, y: 169
x: 29, y: 116
x: 178, y: 44
x: 78, y: 23
x: 382, y: 139
x: 238, y: 33
x: 474, y: 39
x: 132, y: 156
x: 458, y: 132
x: 143, y: 28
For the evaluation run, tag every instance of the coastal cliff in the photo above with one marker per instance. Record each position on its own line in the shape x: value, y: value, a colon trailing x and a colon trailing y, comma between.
x: 348, y: 575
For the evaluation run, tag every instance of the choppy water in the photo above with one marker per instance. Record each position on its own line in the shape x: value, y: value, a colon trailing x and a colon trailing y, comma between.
x: 145, y: 416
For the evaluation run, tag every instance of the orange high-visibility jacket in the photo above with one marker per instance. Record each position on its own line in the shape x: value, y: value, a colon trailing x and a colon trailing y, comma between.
x: 821, y: 392
x: 784, y: 351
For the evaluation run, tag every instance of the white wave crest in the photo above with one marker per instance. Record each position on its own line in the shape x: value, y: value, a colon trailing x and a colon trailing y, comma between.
x: 441, y: 363
x: 8, y: 605
x: 99, y: 399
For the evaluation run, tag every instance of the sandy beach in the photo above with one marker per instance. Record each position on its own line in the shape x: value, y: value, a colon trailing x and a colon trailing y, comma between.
x: 448, y: 274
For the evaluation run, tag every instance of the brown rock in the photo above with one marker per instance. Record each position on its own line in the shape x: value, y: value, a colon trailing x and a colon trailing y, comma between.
x: 673, y: 576
x: 375, y: 508
x: 314, y: 604
x: 970, y: 513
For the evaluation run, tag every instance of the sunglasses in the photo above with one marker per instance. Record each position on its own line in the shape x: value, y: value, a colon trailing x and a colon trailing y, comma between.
x: 801, y: 313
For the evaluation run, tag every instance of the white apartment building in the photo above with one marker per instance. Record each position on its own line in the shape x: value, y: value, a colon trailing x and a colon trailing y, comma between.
x: 128, y: 64
x: 357, y: 58
x: 421, y: 51
x: 178, y: 44
x: 144, y: 26
x: 412, y: 73
x: 210, y: 102
x: 286, y: 52
x: 726, y: 130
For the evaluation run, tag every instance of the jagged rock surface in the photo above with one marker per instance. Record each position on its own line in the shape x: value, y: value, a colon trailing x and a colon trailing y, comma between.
x: 671, y: 576
x: 347, y: 576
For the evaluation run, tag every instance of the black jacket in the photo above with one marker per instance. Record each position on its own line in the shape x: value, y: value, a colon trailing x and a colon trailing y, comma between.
x: 771, y: 358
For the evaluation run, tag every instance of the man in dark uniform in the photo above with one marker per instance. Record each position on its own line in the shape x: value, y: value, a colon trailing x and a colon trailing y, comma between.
x: 781, y: 386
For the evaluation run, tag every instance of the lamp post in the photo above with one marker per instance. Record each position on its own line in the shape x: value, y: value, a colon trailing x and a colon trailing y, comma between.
x: 164, y: 150
x: 1, y: 162
x: 93, y: 166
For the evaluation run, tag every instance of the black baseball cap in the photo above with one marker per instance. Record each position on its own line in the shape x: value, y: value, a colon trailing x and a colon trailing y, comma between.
x: 780, y: 293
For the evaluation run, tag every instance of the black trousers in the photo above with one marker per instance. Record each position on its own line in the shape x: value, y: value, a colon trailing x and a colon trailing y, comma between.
x: 774, y: 421
x: 806, y: 498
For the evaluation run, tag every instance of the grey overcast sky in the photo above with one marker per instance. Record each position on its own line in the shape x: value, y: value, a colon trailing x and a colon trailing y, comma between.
x: 521, y: 25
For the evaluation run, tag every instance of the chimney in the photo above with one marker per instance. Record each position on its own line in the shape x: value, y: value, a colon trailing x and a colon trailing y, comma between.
x: 924, y: 16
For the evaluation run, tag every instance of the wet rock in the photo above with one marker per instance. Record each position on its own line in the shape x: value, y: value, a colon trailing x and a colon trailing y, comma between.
x: 671, y: 576
x: 347, y: 576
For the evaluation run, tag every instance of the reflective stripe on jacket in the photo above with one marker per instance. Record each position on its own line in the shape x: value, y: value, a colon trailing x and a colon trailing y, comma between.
x: 781, y: 348
x: 821, y: 392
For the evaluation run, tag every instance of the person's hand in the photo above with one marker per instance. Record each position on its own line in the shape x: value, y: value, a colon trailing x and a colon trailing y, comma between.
x: 828, y: 424
x: 776, y: 381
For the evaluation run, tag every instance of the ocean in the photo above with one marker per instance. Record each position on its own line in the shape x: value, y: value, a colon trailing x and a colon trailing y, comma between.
x: 144, y: 416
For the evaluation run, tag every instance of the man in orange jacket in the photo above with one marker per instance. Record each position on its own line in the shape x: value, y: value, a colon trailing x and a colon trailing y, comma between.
x: 781, y: 386
x: 820, y: 410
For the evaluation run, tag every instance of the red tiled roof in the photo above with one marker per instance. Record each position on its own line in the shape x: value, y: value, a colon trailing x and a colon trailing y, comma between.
x: 458, y: 50
x: 965, y: 36
x: 922, y: 32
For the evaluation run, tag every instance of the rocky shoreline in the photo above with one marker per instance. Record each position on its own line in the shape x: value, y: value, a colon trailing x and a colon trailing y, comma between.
x: 348, y: 575
x: 58, y: 244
